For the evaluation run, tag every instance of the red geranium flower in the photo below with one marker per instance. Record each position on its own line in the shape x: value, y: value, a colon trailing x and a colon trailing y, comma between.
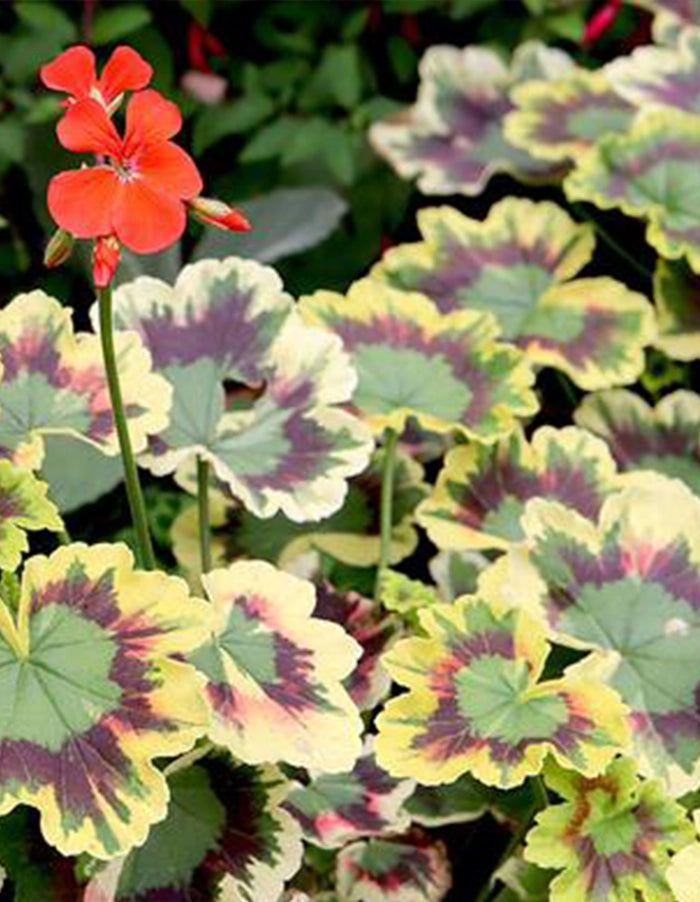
x: 73, y: 71
x: 138, y: 193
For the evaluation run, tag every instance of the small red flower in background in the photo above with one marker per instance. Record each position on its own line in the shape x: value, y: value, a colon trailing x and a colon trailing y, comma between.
x: 138, y: 194
x: 200, y: 43
x: 74, y: 73
x: 600, y: 22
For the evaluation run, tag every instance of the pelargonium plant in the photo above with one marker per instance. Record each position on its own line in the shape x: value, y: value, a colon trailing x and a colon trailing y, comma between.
x: 423, y: 619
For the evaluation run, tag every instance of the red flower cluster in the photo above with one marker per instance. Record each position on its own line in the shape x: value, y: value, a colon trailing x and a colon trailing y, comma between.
x: 138, y: 191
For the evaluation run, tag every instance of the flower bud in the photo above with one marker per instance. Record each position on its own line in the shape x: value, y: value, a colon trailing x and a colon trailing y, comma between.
x: 105, y: 257
x: 217, y: 213
x: 59, y: 248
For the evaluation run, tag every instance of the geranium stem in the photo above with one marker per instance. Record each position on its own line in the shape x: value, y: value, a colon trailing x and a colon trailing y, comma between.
x: 137, y: 505
x: 203, y: 506
x: 541, y: 800
x: 391, y: 438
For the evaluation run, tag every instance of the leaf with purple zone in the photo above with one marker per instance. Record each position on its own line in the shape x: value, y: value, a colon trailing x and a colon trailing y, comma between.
x: 448, y: 371
x: 677, y: 297
x: 271, y: 426
x: 650, y: 172
x: 466, y: 799
x: 561, y: 119
x: 662, y: 438
x: 452, y: 138
x: 519, y: 264
x: 90, y: 665
x: 334, y: 809
x: 626, y: 589
x: 523, y: 882
x: 403, y: 595
x: 481, y: 492
x: 23, y: 506
x: 411, y: 868
x: 274, y: 672
x: 660, y: 76
x: 671, y: 17
x: 350, y: 535
x: 475, y: 704
x: 682, y: 872
x: 54, y: 383
x: 611, y: 836
x: 368, y: 683
x: 456, y: 573
x: 224, y: 821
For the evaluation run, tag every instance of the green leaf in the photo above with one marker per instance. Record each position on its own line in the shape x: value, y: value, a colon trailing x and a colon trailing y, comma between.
x: 374, y: 109
x: 283, y: 76
x: 463, y: 8
x: 12, y: 140
x: 272, y: 140
x: 201, y: 10
x: 569, y: 24
x: 36, y: 870
x: 286, y: 221
x: 117, y: 22
x: 76, y: 472
x: 233, y: 118
x: 338, y: 79
x: 21, y: 54
x: 409, y: 7
x: 46, y: 17
x: 320, y: 138
x: 402, y: 58
x: 355, y: 24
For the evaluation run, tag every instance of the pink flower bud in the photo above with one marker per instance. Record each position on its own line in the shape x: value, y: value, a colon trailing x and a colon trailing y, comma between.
x: 105, y: 257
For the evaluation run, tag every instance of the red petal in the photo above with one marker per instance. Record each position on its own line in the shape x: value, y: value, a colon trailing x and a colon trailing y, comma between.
x: 82, y: 201
x: 147, y: 220
x: 150, y: 119
x: 166, y: 167
x: 125, y: 70
x: 73, y: 71
x: 86, y: 128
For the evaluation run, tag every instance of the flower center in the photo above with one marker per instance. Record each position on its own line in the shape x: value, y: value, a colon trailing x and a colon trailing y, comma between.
x: 125, y: 169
